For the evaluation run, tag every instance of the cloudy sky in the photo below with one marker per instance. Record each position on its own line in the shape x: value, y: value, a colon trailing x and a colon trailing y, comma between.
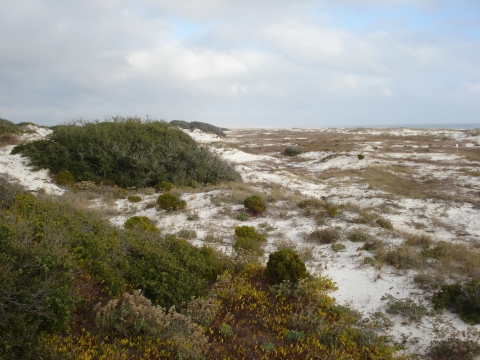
x: 271, y: 63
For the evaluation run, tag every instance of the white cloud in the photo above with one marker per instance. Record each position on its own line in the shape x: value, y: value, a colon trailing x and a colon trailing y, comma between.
x: 276, y: 60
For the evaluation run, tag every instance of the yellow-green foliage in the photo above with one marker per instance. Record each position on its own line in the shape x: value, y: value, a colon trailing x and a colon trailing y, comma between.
x: 46, y: 247
x: 255, y: 204
x: 249, y: 232
x: 164, y: 185
x: 248, y: 244
x: 170, y: 202
x: 259, y: 321
x: 134, y: 198
x: 65, y: 177
x: 140, y: 222
x: 249, y: 239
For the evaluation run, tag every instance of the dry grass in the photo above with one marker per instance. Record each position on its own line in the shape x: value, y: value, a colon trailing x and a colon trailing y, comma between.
x: 9, y: 139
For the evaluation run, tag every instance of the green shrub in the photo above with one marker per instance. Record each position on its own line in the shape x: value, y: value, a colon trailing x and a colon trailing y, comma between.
x: 248, y: 244
x: 360, y: 156
x: 463, y: 300
x: 170, y: 202
x: 164, y: 185
x: 140, y: 222
x: 454, y: 348
x: 65, y: 178
x: 405, y: 307
x: 368, y: 260
x: 249, y: 232
x: 324, y: 236
x: 134, y: 198
x: 254, y: 203
x: 170, y: 271
x: 338, y: 247
x: 127, y: 152
x: 291, y: 151
x: 285, y: 265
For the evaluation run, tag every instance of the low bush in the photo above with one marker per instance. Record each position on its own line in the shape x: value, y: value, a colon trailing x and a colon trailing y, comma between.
x: 248, y: 244
x: 170, y: 202
x: 133, y: 315
x: 285, y: 265
x: 405, y: 307
x: 324, y: 236
x: 368, y: 260
x: 455, y: 348
x: 65, y: 178
x: 255, y: 204
x: 140, y: 222
x: 134, y: 198
x: 461, y: 299
x: 249, y: 232
x: 361, y: 156
x: 291, y: 151
x: 164, y: 186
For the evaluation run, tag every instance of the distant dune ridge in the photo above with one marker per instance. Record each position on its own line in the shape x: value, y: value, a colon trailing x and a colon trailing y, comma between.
x: 200, y: 126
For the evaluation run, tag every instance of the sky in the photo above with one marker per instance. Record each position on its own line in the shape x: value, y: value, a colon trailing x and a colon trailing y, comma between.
x: 248, y: 63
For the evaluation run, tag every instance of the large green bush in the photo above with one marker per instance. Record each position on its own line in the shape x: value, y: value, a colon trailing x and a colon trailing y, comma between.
x: 285, y: 265
x: 127, y: 152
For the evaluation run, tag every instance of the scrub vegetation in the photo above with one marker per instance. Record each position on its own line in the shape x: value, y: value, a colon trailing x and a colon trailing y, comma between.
x: 127, y: 152
x: 74, y: 286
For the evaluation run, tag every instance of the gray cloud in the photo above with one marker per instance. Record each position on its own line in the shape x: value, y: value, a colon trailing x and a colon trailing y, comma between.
x: 269, y: 63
